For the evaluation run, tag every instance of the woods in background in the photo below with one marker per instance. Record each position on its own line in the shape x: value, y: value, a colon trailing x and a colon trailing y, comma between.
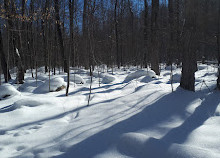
x: 60, y: 34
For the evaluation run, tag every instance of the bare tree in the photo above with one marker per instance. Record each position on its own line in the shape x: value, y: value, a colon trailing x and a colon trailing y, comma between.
x: 189, y: 64
x: 60, y: 37
x: 116, y: 34
x: 4, y: 65
x: 218, y: 46
x: 146, y: 52
x: 10, y: 14
x: 154, y: 37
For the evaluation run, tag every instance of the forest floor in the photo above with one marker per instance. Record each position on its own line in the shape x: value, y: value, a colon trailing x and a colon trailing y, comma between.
x: 136, y: 116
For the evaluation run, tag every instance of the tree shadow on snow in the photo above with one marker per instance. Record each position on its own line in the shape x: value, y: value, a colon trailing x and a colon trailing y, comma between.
x: 173, y: 104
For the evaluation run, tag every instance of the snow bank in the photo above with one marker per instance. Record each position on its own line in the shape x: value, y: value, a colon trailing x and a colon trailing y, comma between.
x: 176, y: 77
x: 142, y: 146
x: 24, y: 102
x: 103, y: 67
x: 140, y: 73
x: 75, y: 78
x: 81, y: 71
x: 96, y: 74
x: 108, y: 79
x: 202, y: 67
x: 147, y: 79
x: 42, y: 77
x: 56, y: 84
x: 29, y: 85
x: 169, y: 67
x: 7, y: 90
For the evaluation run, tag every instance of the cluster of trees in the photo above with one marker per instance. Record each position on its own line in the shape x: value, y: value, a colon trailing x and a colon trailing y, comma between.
x: 53, y: 33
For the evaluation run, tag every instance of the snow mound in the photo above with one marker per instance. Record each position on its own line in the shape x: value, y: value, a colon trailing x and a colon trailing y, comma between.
x: 56, y: 84
x: 142, y: 146
x: 169, y: 67
x: 176, y: 77
x: 132, y: 144
x: 75, y: 78
x: 108, y: 79
x: 96, y: 74
x: 103, y: 67
x: 201, y: 67
x: 81, y: 71
x: 42, y: 77
x: 29, y: 85
x: 140, y: 73
x: 146, y: 79
x: 24, y: 102
x: 31, y: 102
x: 7, y: 90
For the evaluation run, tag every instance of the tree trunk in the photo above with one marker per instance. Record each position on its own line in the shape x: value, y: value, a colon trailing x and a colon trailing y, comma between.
x: 85, y: 35
x: 15, y: 40
x: 4, y: 65
x: 155, y: 37
x: 116, y: 34
x: 218, y: 47
x: 145, y: 32
x: 190, y: 44
x: 43, y: 28
x: 60, y: 37
x: 171, y: 34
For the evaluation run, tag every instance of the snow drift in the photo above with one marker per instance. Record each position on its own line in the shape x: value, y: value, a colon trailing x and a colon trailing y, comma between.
x: 7, y: 90
x: 140, y: 73
x: 56, y: 84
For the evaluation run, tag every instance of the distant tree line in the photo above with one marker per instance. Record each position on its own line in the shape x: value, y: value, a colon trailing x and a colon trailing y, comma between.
x: 60, y: 34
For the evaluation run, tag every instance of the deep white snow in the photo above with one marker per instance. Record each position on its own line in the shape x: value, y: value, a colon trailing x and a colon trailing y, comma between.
x: 134, y: 115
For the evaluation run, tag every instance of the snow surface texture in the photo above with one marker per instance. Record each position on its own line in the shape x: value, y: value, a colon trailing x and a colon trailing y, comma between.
x: 108, y: 79
x: 141, y: 118
x: 55, y: 84
x: 140, y: 73
x: 75, y: 78
x: 7, y: 90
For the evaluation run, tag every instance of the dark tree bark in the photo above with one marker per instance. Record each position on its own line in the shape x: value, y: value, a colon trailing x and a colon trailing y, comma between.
x: 15, y: 39
x: 132, y: 43
x: 71, y: 13
x: 23, y: 36
x: 170, y: 53
x: 30, y: 37
x: 85, y: 35
x: 145, y: 32
x: 44, y: 28
x: 71, y: 4
x: 60, y: 37
x: 116, y: 34
x: 177, y: 32
x: 190, y: 44
x: 218, y: 47
x: 4, y: 65
x: 155, y: 37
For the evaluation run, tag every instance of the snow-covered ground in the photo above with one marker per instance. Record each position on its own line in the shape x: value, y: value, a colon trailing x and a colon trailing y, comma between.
x: 131, y: 114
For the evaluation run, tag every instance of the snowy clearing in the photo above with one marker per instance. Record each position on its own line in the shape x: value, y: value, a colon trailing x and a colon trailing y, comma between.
x: 132, y: 114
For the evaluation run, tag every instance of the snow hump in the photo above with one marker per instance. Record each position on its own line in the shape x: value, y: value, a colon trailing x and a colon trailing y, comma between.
x: 140, y: 73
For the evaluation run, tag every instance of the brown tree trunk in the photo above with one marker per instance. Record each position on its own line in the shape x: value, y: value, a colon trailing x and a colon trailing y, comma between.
x: 218, y: 47
x: 60, y: 37
x: 4, y: 65
x: 85, y: 35
x: 190, y: 44
x: 145, y: 32
x: 170, y: 52
x: 43, y: 28
x: 155, y: 37
x: 116, y: 34
x: 15, y: 39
